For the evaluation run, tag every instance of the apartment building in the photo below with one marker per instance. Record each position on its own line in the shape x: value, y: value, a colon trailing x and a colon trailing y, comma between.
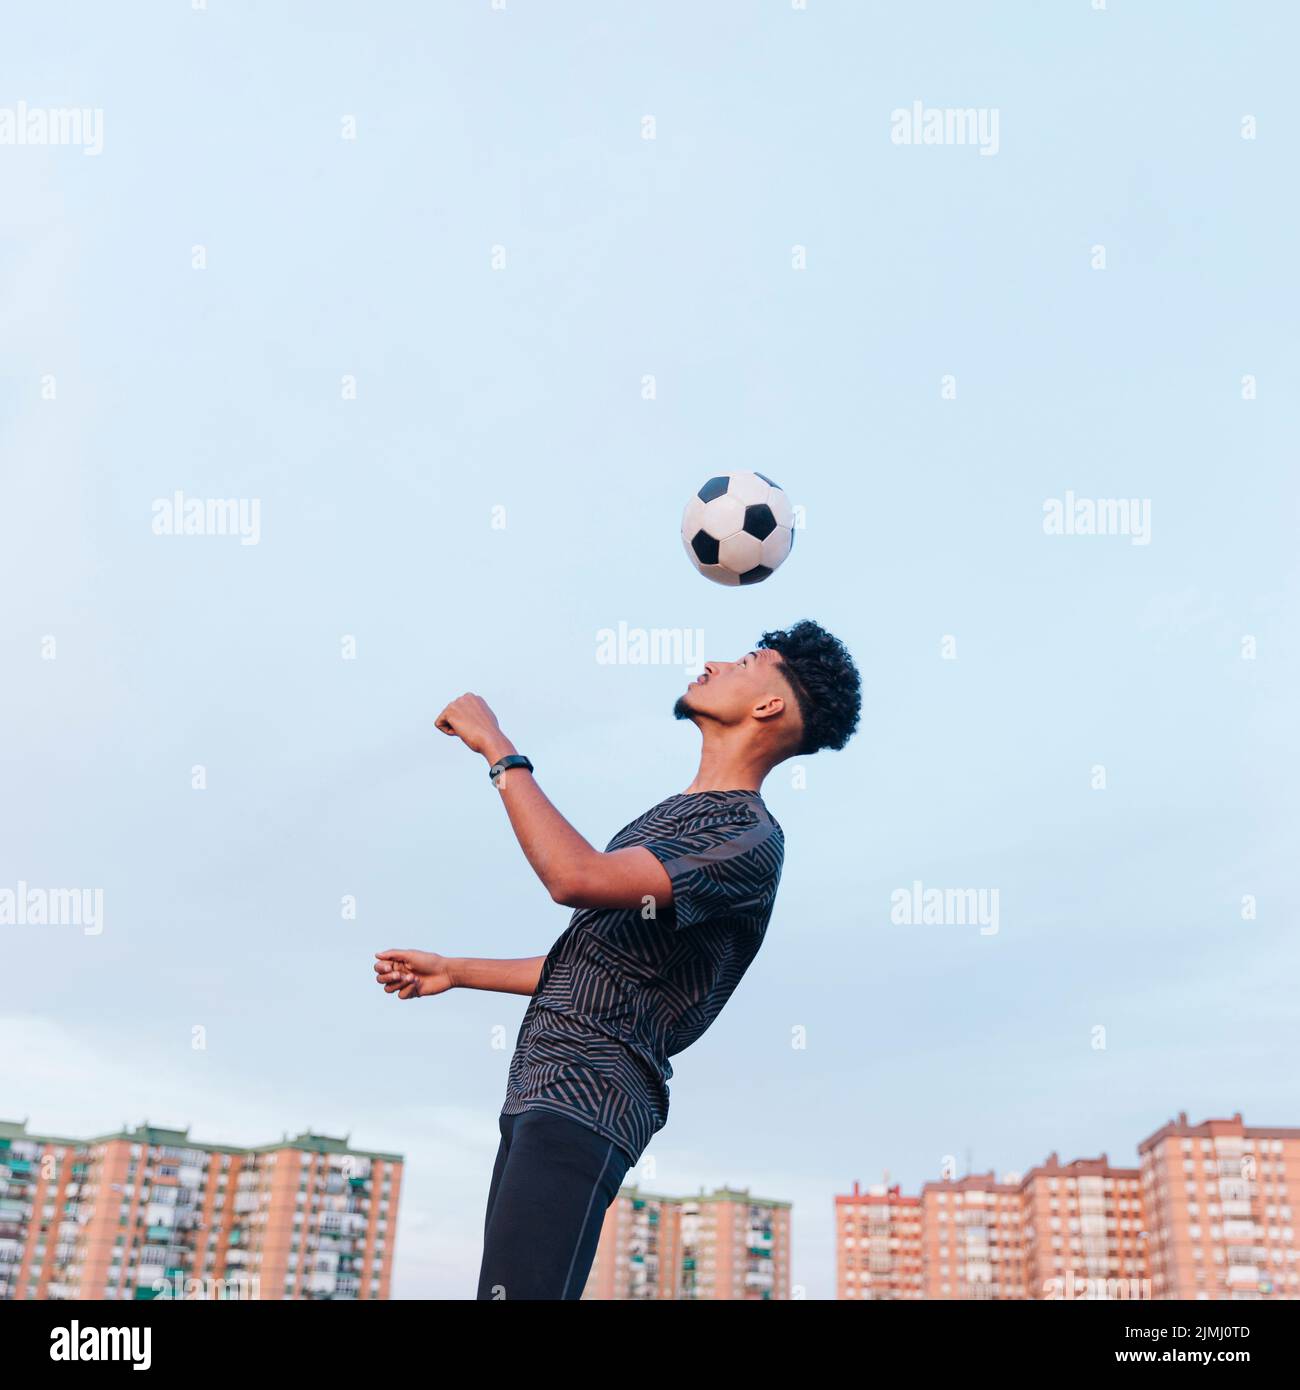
x: 38, y: 1174
x: 1083, y: 1231
x: 1220, y: 1201
x: 1209, y: 1213
x: 639, y: 1255
x: 150, y: 1212
x: 878, y: 1244
x: 973, y: 1238
x: 725, y: 1245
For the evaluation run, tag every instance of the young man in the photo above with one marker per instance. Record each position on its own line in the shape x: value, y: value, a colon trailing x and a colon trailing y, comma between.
x: 668, y: 919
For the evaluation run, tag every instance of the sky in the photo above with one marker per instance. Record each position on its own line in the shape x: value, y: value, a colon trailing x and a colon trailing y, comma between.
x: 413, y: 279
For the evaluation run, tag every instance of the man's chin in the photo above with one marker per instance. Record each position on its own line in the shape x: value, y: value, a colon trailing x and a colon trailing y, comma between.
x: 682, y: 709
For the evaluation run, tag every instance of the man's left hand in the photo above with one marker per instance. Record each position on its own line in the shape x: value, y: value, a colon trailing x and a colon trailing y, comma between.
x: 471, y: 720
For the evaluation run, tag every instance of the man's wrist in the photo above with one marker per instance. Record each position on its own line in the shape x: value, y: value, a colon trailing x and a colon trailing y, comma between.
x: 455, y: 965
x: 497, y: 749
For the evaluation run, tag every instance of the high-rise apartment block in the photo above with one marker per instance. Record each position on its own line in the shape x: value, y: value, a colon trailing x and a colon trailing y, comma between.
x: 1207, y: 1214
x: 1220, y: 1201
x: 879, y: 1239
x: 1083, y: 1222
x: 972, y: 1238
x: 150, y: 1212
x: 639, y: 1255
x: 725, y: 1245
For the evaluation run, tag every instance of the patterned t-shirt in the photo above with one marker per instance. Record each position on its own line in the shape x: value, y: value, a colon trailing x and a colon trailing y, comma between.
x: 620, y: 992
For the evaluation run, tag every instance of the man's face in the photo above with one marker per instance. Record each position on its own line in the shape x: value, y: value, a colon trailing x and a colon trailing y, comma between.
x: 730, y: 691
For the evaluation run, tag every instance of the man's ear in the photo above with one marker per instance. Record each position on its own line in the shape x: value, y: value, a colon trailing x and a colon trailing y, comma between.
x: 769, y: 707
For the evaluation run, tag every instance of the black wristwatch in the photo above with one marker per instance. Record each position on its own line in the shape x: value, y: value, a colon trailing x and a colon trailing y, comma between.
x: 505, y: 764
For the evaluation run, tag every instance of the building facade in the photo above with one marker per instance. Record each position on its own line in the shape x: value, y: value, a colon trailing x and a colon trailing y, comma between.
x: 1084, y: 1233
x: 973, y: 1238
x: 878, y: 1237
x: 726, y: 1245
x: 1207, y: 1214
x: 149, y: 1212
x: 639, y: 1254
x: 1220, y: 1209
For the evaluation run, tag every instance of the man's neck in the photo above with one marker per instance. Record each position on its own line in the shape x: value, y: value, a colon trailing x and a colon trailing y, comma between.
x: 726, y: 768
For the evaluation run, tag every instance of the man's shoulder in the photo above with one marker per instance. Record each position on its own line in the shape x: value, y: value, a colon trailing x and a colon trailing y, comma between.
x: 684, y: 821
x: 767, y: 833
x: 703, y: 812
x: 774, y: 841
x: 766, y: 815
x: 742, y: 826
x: 754, y: 811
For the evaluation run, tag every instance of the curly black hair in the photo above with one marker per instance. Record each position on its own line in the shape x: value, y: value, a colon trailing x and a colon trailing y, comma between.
x: 824, y: 680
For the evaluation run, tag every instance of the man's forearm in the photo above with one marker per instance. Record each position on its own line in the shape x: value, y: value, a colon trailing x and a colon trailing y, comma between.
x: 572, y: 871
x: 500, y: 976
x: 551, y: 845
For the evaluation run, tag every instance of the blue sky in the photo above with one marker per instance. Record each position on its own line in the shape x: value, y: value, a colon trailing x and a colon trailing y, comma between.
x: 521, y: 388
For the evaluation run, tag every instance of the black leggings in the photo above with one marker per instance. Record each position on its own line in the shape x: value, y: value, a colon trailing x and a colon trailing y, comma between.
x: 553, y: 1180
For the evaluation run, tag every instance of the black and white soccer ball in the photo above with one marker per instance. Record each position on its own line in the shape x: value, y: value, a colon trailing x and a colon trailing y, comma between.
x: 738, y: 528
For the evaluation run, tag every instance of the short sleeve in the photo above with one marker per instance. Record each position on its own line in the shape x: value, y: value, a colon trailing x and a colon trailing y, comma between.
x: 725, y: 872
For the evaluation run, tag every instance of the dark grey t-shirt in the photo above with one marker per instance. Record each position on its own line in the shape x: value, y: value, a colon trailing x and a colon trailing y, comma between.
x: 621, y: 992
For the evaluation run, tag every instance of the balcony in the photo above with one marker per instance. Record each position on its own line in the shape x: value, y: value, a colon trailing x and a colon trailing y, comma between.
x: 1235, y: 1190
x: 1246, y: 1255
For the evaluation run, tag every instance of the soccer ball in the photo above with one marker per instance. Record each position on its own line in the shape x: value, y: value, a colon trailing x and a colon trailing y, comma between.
x: 738, y: 528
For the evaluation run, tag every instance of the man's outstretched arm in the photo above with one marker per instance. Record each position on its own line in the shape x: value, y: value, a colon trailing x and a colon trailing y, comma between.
x: 419, y: 974
x: 573, y: 872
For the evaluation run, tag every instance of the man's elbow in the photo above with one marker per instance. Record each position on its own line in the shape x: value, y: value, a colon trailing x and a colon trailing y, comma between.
x: 577, y: 885
x: 610, y: 880
x: 561, y: 892
x: 567, y: 887
x: 570, y: 894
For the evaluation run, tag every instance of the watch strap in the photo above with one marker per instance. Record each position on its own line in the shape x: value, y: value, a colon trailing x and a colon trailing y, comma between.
x: 505, y: 764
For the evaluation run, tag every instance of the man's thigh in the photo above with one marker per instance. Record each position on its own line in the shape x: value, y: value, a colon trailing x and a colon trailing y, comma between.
x: 558, y: 1179
x: 505, y: 1123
